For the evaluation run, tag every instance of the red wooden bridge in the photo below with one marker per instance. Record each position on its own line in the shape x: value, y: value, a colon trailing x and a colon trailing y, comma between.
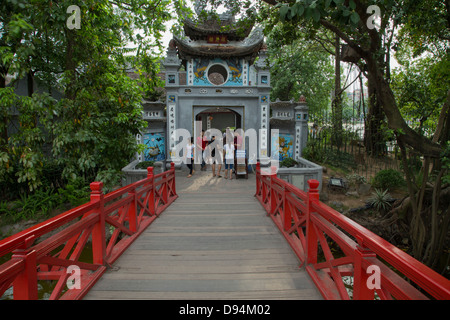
x: 219, y: 240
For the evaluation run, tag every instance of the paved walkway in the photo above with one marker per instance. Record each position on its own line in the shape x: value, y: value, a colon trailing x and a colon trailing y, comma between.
x: 214, y: 242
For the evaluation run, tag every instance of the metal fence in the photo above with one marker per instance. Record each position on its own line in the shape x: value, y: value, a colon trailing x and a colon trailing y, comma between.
x: 349, y: 152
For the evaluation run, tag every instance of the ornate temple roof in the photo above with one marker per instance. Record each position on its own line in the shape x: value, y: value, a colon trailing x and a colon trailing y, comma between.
x: 234, y: 31
x: 248, y: 48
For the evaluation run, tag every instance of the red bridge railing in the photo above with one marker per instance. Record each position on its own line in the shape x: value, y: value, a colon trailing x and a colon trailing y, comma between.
x: 314, y: 230
x: 122, y: 215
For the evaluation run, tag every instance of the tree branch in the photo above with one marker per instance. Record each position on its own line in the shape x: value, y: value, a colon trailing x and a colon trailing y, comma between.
x: 441, y: 121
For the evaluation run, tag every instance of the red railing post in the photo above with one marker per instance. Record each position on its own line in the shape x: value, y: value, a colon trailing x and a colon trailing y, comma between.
x: 311, y: 236
x: 151, y: 196
x: 25, y: 284
x: 361, y: 290
x: 132, y: 212
x: 287, y: 219
x: 98, y: 232
x: 273, y: 196
x: 258, y: 178
x: 172, y: 170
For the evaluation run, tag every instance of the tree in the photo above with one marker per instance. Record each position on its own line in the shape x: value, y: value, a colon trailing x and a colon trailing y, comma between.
x: 302, y: 67
x: 352, y: 21
x: 92, y: 128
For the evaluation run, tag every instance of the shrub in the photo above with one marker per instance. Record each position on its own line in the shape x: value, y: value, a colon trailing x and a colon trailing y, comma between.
x: 288, y: 162
x: 313, y: 152
x: 144, y: 164
x: 355, y: 179
x: 388, y: 179
x: 381, y: 200
x: 76, y: 192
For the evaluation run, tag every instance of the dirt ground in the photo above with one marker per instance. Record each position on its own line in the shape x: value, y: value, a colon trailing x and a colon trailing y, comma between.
x: 349, y: 198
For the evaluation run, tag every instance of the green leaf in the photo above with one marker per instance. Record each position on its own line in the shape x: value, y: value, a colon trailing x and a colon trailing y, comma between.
x: 316, y: 15
x: 300, y: 9
x: 352, y: 5
x: 346, y: 13
x: 354, y: 17
x: 283, y: 12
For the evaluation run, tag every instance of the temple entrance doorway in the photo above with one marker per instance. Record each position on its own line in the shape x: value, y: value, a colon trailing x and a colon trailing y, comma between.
x: 219, y: 118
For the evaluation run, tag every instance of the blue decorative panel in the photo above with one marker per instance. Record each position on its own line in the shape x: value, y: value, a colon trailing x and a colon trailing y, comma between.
x: 155, y: 147
x: 234, y: 70
x: 283, y: 147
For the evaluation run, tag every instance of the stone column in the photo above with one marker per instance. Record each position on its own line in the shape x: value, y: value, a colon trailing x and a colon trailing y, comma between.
x: 172, y: 63
x: 301, y: 127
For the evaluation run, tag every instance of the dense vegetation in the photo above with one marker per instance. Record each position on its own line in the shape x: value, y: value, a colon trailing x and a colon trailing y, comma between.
x: 81, y: 109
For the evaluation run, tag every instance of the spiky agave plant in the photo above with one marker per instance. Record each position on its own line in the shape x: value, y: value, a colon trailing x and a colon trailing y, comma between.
x: 381, y: 200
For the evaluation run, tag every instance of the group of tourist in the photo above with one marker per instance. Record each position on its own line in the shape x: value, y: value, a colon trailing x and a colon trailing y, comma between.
x: 205, y: 143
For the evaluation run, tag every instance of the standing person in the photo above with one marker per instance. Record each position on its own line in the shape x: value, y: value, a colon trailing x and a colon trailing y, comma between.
x: 190, y: 156
x: 229, y: 158
x: 212, y: 149
x: 201, y: 145
x: 237, y: 144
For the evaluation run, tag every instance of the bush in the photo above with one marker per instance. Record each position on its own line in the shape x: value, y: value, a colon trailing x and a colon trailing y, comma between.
x: 355, y: 180
x: 388, y: 179
x: 76, y: 192
x: 288, y: 162
x: 313, y: 152
x: 381, y: 200
x: 144, y: 164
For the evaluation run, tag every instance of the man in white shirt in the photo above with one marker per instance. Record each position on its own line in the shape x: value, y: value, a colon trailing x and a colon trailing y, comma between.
x: 229, y: 158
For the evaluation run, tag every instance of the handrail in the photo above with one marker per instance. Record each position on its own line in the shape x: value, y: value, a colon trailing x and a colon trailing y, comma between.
x: 379, y: 269
x: 128, y: 211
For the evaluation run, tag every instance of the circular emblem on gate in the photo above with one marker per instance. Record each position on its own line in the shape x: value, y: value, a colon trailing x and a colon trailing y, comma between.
x: 217, y: 74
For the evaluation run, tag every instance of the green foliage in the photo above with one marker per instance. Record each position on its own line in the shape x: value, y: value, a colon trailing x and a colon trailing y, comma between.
x: 41, y: 203
x: 76, y: 193
x: 315, y: 10
x: 23, y: 156
x: 144, y: 164
x: 421, y: 88
x: 92, y: 128
x: 339, y: 159
x: 381, y: 200
x: 445, y: 160
x: 96, y: 129
x: 301, y: 67
x: 355, y: 179
x: 33, y: 206
x: 388, y: 179
x: 313, y: 151
x: 288, y: 163
x: 111, y: 179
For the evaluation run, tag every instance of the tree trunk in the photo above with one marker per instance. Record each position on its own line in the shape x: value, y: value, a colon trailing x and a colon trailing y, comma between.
x: 337, y: 102
x: 4, y: 133
x: 373, y: 135
x: 30, y: 83
x: 386, y: 98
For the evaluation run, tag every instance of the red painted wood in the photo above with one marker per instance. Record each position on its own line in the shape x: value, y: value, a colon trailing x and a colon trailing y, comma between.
x: 310, y: 226
x: 129, y: 210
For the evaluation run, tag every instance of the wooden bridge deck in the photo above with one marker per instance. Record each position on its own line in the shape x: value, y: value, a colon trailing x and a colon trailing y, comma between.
x: 214, y: 242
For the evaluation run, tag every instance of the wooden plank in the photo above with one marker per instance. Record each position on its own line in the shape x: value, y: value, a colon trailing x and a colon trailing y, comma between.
x: 307, y: 294
x: 215, y: 242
